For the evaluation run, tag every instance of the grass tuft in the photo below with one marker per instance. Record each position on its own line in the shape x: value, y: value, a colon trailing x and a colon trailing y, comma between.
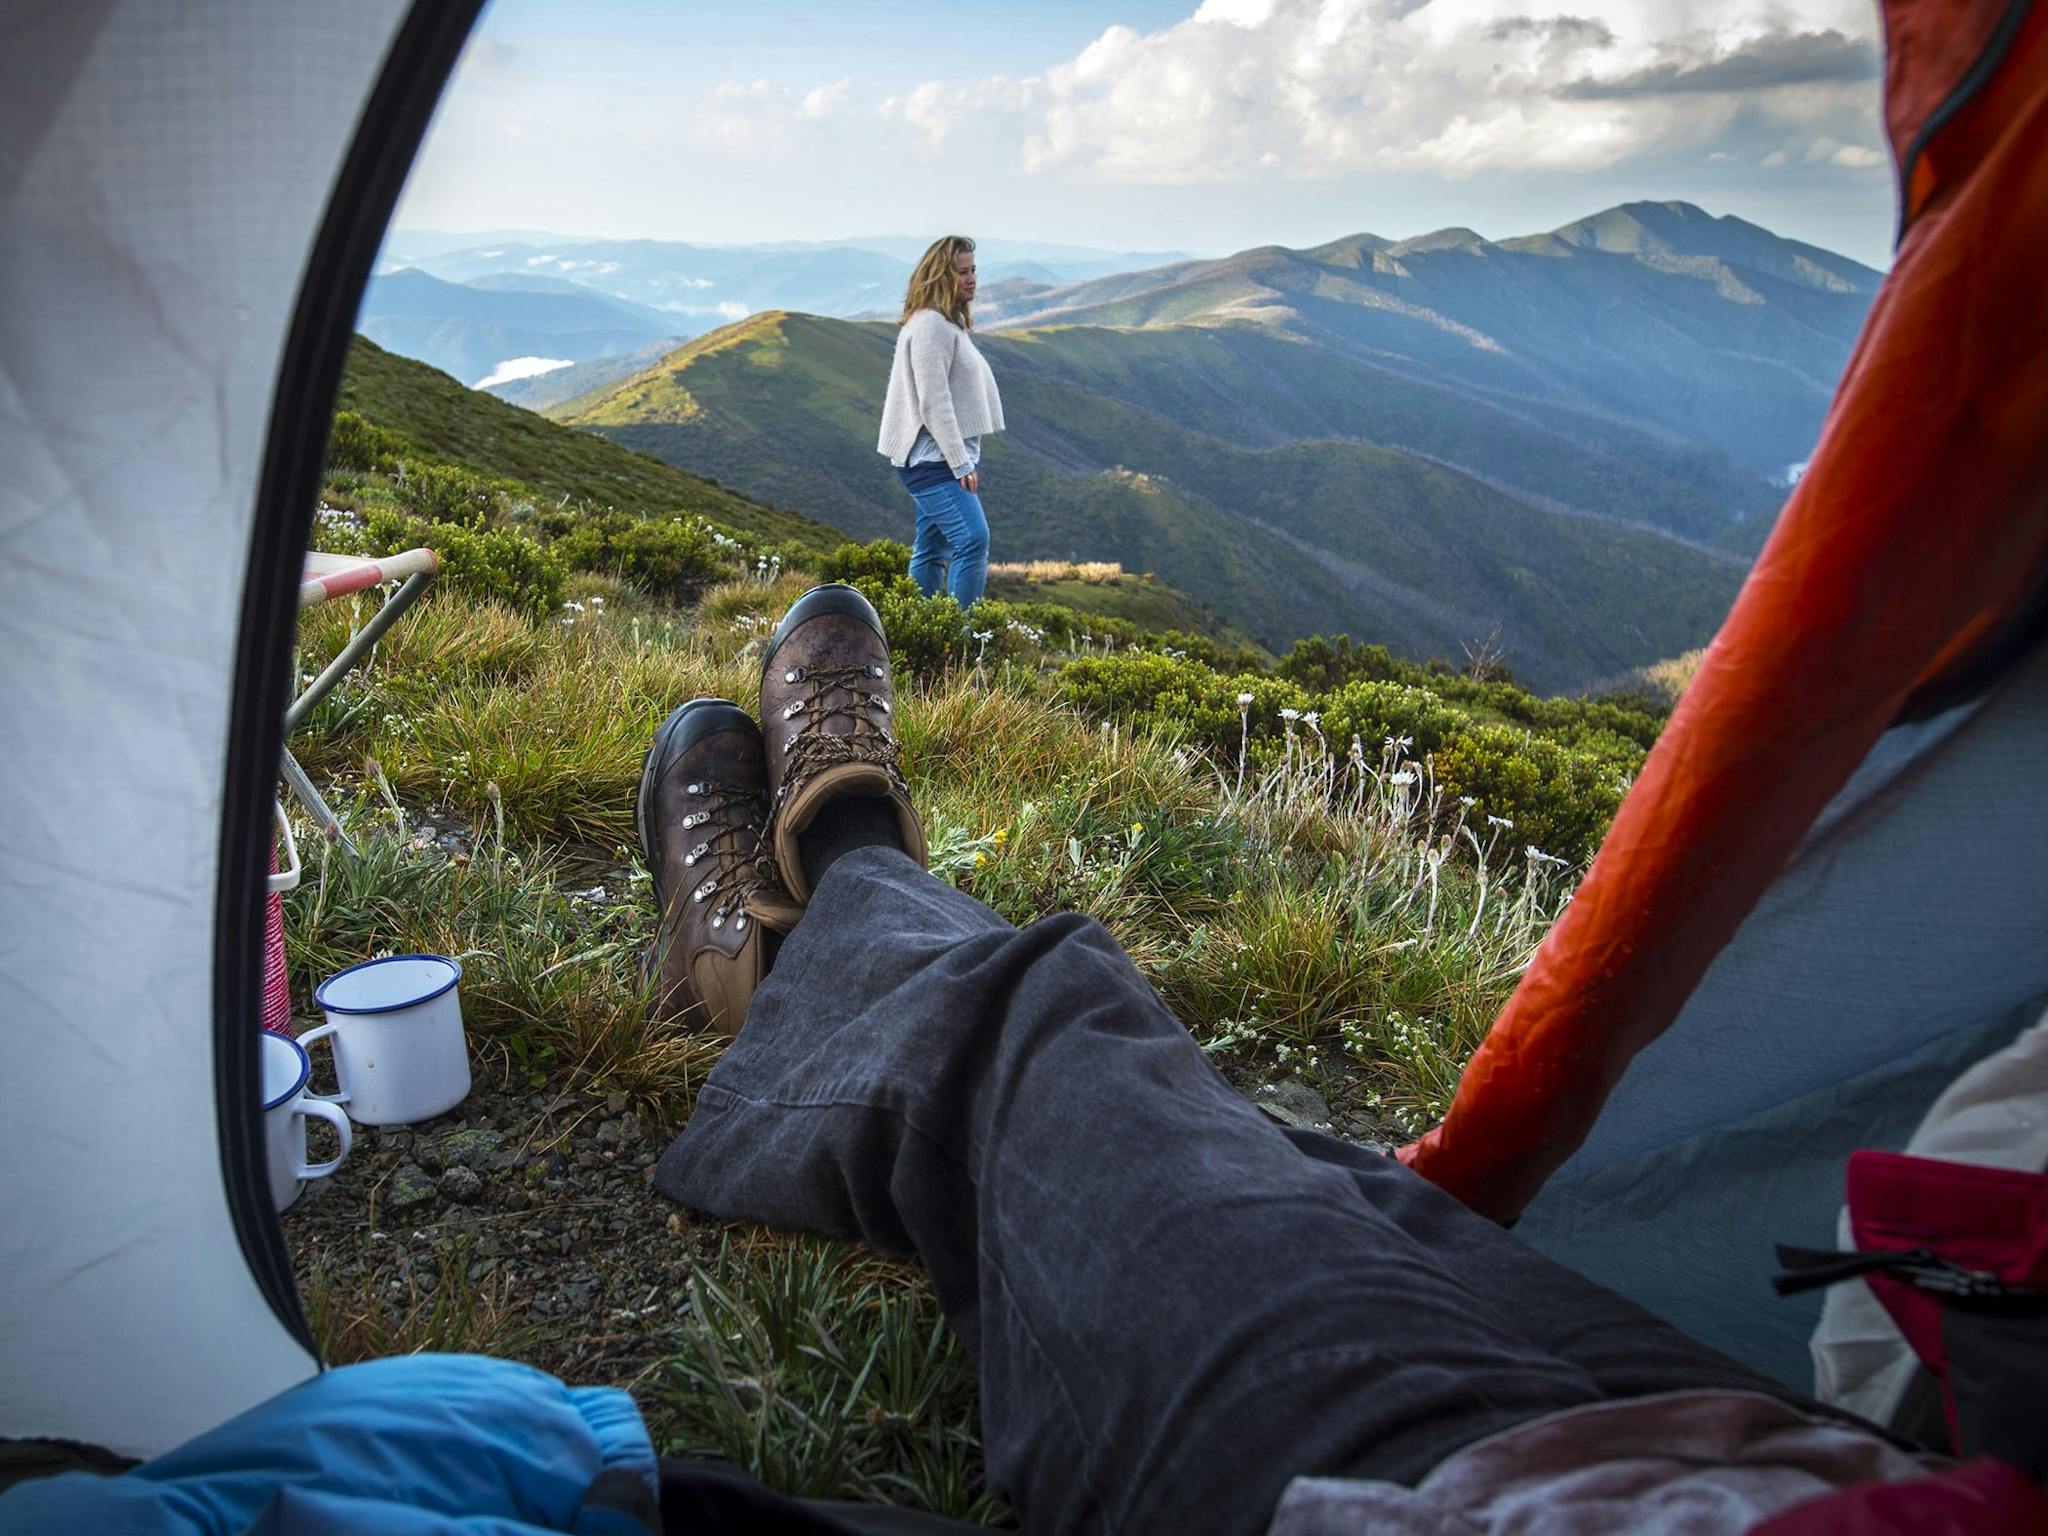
x: 826, y: 1373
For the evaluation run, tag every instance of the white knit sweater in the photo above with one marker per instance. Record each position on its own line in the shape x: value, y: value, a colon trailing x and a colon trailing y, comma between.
x: 938, y: 381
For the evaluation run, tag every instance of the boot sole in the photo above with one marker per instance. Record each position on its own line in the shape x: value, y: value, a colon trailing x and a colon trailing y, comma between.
x: 686, y: 725
x: 835, y: 597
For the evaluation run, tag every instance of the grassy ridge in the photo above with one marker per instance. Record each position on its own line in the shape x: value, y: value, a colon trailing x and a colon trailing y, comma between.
x: 444, y: 420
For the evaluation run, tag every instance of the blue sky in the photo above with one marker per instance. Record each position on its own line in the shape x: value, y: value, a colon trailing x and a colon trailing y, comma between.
x: 1204, y: 125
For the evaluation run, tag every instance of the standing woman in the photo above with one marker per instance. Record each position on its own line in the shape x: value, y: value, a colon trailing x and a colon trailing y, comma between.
x: 942, y: 401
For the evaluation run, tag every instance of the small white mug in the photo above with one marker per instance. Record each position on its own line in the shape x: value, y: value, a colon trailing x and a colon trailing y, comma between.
x: 286, y: 1104
x: 396, y: 1031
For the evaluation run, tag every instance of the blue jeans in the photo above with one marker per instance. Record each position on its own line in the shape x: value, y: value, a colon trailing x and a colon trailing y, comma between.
x: 950, y: 524
x: 1176, y: 1305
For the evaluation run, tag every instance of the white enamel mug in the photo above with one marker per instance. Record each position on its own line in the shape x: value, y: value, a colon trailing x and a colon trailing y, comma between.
x: 396, y: 1031
x: 286, y: 1105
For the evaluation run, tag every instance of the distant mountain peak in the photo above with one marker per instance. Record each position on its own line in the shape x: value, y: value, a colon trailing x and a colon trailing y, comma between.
x: 1681, y: 229
x: 1455, y: 238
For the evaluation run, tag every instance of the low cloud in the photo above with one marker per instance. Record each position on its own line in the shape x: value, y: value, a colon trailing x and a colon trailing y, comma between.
x: 1247, y: 90
x: 521, y: 368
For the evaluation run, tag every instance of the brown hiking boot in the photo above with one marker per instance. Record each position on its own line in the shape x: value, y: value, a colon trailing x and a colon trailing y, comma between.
x: 702, y: 809
x: 826, y: 697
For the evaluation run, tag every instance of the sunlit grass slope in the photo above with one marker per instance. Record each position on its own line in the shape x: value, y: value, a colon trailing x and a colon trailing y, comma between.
x: 443, y: 419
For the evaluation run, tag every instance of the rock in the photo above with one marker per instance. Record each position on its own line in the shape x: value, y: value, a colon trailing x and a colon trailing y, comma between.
x: 461, y: 1185
x: 469, y: 1149
x: 609, y: 1134
x: 410, y: 1186
x: 615, y: 1104
x: 1294, y: 1103
x: 517, y: 1200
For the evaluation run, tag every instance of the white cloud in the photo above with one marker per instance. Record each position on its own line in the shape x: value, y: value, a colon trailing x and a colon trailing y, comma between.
x: 824, y: 100
x: 733, y: 310
x: 1307, y: 89
x: 1858, y: 157
x: 936, y: 110
x: 762, y: 119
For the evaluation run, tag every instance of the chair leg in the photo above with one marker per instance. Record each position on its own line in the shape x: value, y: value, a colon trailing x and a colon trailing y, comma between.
x: 301, y: 785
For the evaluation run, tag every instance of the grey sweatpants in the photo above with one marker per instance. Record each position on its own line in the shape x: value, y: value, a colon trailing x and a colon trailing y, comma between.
x: 1175, y: 1305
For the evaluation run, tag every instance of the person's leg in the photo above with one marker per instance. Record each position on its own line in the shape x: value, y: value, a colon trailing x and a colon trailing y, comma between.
x: 929, y: 553
x: 1174, y: 1310
x: 969, y: 537
x: 957, y: 523
x: 1627, y: 1351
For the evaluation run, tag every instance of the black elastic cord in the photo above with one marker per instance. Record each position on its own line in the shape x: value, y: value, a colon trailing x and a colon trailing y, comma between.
x: 1975, y: 78
x: 387, y: 137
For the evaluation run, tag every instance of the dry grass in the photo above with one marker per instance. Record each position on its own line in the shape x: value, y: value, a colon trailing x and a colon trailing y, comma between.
x: 1668, y: 679
x: 1095, y: 572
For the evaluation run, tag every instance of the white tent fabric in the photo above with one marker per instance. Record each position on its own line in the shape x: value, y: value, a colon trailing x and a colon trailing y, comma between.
x: 163, y: 171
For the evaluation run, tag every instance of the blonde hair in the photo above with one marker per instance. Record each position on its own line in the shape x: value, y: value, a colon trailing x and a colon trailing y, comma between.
x: 935, y: 282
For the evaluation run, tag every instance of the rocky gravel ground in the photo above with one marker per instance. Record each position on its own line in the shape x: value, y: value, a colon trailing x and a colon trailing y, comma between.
x: 525, y: 1218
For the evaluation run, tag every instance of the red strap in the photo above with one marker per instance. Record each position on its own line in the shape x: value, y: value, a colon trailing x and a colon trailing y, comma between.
x: 1993, y: 1219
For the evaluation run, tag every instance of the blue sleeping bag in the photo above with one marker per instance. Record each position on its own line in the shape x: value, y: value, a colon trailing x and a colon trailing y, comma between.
x: 419, y: 1445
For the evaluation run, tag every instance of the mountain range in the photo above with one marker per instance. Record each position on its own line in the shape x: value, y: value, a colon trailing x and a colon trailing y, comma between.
x: 1566, y: 445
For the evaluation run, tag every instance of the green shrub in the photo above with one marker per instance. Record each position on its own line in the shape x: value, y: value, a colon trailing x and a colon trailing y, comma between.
x: 437, y: 493
x: 877, y: 560
x: 1375, y: 711
x: 1560, y: 800
x: 672, y: 557
x: 926, y: 634
x: 501, y: 564
x: 1182, y: 696
x: 362, y: 446
x: 1324, y: 664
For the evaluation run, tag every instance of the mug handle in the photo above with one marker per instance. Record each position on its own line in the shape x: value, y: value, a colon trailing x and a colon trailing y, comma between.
x: 307, y: 1039
x: 338, y: 1118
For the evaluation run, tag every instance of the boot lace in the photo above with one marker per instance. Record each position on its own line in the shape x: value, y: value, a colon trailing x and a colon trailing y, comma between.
x: 726, y: 867
x: 814, y: 749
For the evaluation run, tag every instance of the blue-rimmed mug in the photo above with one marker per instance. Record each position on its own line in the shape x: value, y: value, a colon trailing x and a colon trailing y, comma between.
x: 286, y: 1107
x: 395, y: 1026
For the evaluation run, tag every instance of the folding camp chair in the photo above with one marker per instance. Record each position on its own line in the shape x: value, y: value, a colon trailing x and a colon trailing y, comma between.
x: 327, y: 577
